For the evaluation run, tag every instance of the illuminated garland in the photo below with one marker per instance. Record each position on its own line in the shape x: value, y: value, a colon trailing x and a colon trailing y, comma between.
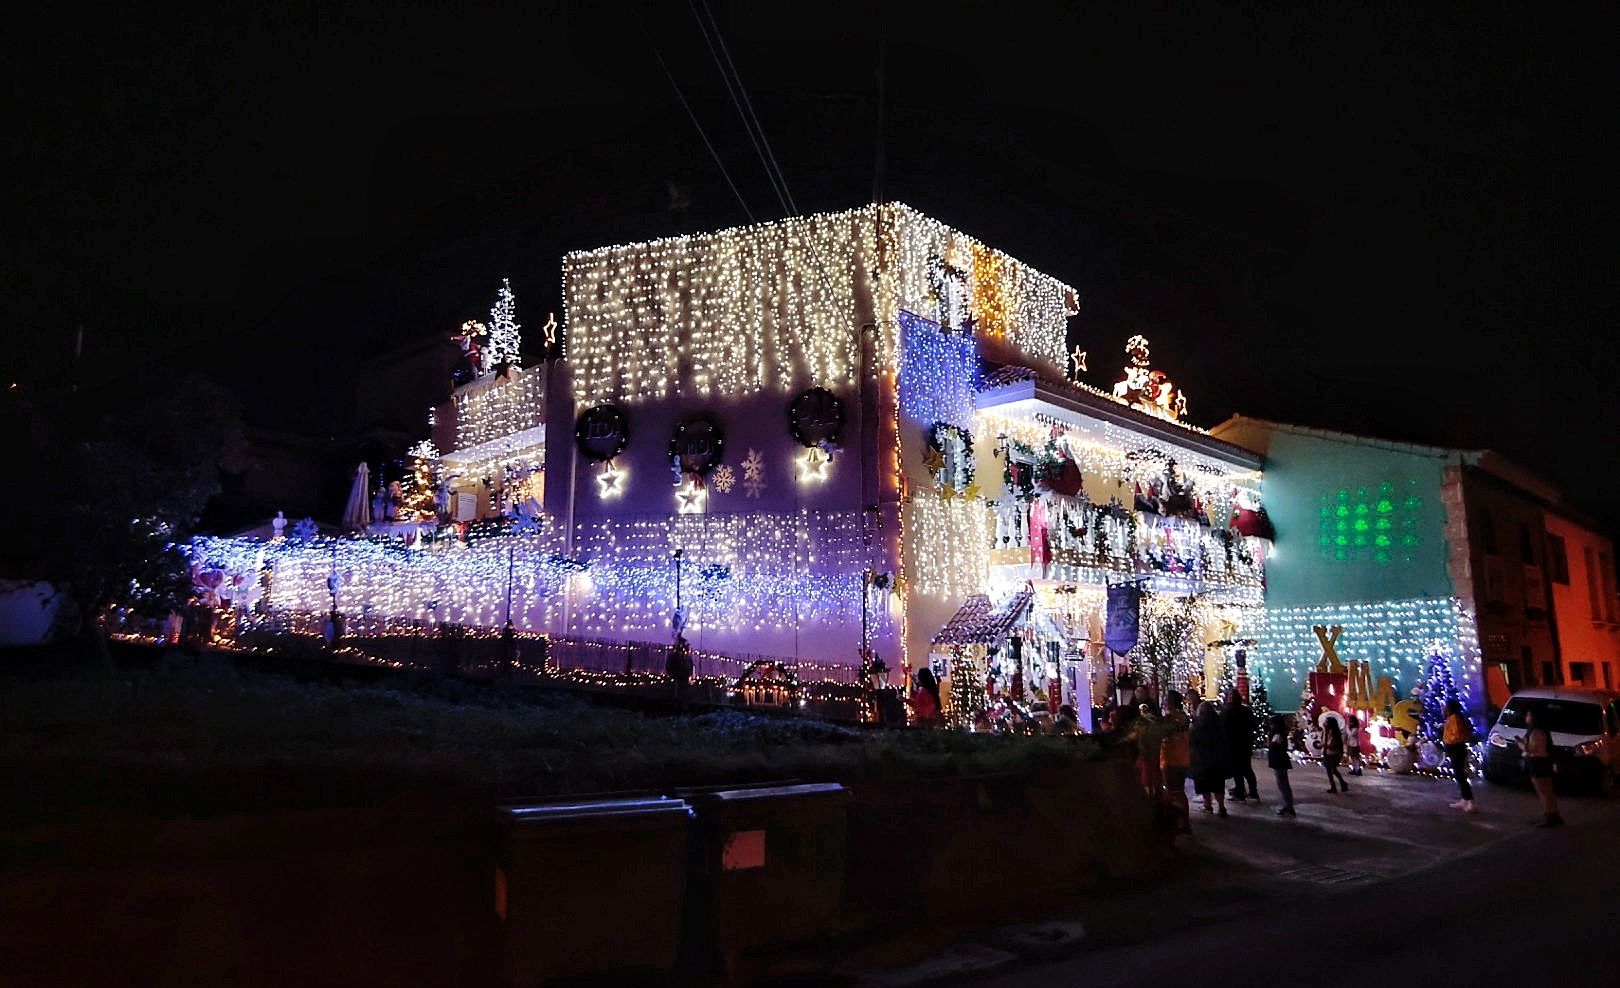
x: 1395, y: 638
x: 492, y: 408
x: 949, y: 545
x: 743, y: 572
x: 775, y: 305
x: 938, y: 373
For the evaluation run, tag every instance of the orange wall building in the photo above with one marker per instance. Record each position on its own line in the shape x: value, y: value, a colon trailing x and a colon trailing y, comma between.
x: 1585, y: 603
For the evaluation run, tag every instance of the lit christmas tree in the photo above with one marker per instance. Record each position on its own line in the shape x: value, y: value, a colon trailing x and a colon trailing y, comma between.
x: 505, y: 342
x: 967, y: 692
x: 419, y: 492
x: 1262, y: 713
x: 1438, y: 689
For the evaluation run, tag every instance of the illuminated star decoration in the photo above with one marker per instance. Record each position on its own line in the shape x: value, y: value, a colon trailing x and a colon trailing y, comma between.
x: 724, y: 479
x: 813, y: 467
x: 1078, y: 359
x: 690, y: 497
x: 607, y: 482
x: 551, y: 329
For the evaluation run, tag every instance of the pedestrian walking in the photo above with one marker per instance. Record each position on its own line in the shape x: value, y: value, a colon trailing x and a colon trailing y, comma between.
x: 1237, y: 724
x: 1209, y: 757
x: 1455, y: 738
x: 1352, y: 744
x: 1333, y: 754
x: 1281, y: 764
x: 1537, y: 745
x: 1175, y: 757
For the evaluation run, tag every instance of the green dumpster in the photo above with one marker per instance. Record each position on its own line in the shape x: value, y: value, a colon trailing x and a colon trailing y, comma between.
x: 590, y: 887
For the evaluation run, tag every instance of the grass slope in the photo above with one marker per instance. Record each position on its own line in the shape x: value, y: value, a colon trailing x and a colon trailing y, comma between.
x: 198, y: 737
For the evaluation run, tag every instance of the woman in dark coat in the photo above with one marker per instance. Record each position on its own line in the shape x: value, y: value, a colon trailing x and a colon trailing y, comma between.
x: 1209, y: 757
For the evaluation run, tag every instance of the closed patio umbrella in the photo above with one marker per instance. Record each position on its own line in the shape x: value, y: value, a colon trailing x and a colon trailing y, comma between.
x: 357, y: 513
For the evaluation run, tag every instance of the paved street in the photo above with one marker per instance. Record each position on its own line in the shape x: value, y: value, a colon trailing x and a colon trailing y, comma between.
x: 1386, y: 875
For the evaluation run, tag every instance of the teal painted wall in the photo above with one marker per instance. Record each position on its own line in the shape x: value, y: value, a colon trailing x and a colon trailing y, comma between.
x: 1354, y: 523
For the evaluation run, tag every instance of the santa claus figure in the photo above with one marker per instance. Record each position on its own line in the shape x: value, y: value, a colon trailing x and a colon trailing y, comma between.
x: 471, y: 339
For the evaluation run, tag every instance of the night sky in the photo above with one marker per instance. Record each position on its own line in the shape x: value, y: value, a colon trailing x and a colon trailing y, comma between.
x: 1381, y: 221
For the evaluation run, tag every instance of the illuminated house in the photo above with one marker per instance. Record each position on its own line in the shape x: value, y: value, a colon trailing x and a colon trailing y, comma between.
x: 871, y: 400
x: 1416, y: 551
x: 791, y: 438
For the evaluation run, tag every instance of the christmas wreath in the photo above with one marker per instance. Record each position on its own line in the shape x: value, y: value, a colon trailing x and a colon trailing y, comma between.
x: 696, y: 445
x: 816, y: 419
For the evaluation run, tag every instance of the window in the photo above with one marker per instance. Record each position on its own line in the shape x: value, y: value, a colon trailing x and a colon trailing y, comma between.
x: 1606, y: 565
x: 1495, y: 579
x: 1487, y: 531
x: 1581, y: 672
x: 1592, y: 580
x: 1608, y: 684
x: 1549, y: 673
x: 1527, y: 551
x: 1557, y: 559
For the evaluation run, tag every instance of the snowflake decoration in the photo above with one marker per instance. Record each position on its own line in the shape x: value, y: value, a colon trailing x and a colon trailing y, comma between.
x: 724, y: 479
x: 528, y: 524
x: 753, y: 473
x: 305, y: 529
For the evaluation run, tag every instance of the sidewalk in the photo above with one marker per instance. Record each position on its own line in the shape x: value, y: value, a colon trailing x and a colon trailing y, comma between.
x: 1385, y: 827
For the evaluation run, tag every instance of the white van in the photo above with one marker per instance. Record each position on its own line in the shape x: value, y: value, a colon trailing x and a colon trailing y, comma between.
x: 1585, y: 728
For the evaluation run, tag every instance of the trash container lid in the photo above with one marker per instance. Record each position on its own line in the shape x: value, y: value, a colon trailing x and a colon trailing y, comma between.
x: 809, y: 789
x: 571, y: 810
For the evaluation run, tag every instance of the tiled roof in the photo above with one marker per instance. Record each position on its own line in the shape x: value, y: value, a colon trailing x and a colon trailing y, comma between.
x: 978, y: 622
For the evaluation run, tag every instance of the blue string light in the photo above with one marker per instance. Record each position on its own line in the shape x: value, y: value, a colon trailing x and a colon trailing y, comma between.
x: 938, y: 373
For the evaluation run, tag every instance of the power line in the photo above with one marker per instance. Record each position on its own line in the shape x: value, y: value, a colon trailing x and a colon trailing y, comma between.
x: 882, y: 80
x: 770, y: 156
x: 693, y: 116
x: 731, y: 90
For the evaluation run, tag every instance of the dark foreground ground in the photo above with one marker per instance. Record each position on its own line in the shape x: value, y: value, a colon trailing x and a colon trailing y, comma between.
x: 1383, y: 885
x: 185, y: 807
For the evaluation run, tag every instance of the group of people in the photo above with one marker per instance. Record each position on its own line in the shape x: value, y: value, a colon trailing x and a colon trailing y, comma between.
x: 1215, y: 746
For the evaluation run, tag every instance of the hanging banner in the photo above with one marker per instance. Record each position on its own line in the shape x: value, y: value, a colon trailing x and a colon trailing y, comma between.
x: 1124, y: 617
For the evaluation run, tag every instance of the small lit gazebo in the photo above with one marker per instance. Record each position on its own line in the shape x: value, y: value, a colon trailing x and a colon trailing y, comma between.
x: 967, y: 638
